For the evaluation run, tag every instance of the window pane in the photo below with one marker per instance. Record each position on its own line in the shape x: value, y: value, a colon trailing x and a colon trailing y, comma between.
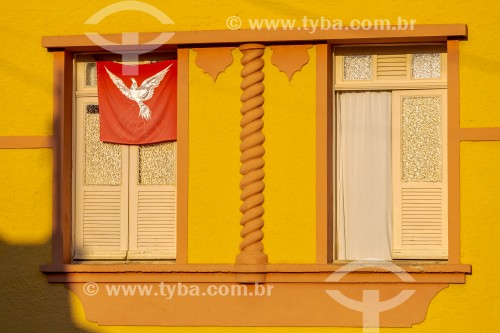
x: 92, y: 108
x: 421, y: 139
x: 90, y: 74
x: 102, y: 160
x: 157, y: 164
x: 358, y: 67
x: 426, y: 66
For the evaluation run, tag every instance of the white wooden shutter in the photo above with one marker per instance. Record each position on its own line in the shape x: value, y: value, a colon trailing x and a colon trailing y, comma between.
x: 152, y: 204
x: 101, y: 189
x: 420, y: 195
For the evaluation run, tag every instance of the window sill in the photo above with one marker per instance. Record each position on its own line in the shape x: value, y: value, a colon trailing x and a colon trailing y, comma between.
x: 298, y: 295
x: 422, y: 271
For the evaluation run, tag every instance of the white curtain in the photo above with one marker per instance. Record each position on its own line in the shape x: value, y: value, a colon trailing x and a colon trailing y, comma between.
x: 364, y: 180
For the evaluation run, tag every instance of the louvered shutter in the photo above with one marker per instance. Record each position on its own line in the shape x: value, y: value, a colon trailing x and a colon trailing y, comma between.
x: 152, y: 204
x: 101, y: 189
x: 420, y: 193
x: 391, y: 66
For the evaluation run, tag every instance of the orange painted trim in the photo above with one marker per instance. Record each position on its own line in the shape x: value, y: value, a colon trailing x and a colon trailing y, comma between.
x: 214, y: 60
x: 235, y: 277
x: 8, y: 142
x: 434, y: 32
x: 290, y: 59
x: 252, y: 153
x: 453, y: 153
x: 305, y: 274
x: 284, y: 304
x: 62, y: 158
x: 410, y: 267
x: 182, y: 154
x: 480, y: 134
x: 324, y: 198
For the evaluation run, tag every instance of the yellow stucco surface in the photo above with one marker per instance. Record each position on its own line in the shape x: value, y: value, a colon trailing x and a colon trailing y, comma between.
x: 214, y: 162
x: 289, y: 127
x: 28, y: 303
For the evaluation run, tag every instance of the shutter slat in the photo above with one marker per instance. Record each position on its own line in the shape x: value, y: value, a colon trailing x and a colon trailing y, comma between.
x: 154, y: 223
x: 422, y: 234
x: 156, y: 208
x: 391, y: 67
x: 102, y: 220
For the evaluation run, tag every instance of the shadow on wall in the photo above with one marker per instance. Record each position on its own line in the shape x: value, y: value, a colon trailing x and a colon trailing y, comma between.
x: 28, y: 303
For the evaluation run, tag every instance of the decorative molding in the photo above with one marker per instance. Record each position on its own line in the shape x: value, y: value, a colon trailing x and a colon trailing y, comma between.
x: 271, y: 304
x: 252, y: 153
x: 293, y: 295
x: 419, y: 33
x: 62, y: 168
x: 325, y: 180
x: 290, y: 58
x: 214, y: 60
x: 182, y: 154
x: 13, y: 142
x: 453, y: 123
x: 307, y: 273
x: 480, y: 134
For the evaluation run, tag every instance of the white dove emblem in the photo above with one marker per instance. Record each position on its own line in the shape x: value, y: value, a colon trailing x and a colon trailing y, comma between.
x: 142, y: 93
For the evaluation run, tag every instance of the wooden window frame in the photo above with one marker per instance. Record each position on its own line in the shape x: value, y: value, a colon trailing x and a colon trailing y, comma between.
x: 408, y: 86
x: 85, y: 95
x: 326, y: 211
x: 63, y: 153
x: 429, y: 277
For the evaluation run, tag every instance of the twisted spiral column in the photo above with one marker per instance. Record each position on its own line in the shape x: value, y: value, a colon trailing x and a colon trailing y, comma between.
x: 252, y: 156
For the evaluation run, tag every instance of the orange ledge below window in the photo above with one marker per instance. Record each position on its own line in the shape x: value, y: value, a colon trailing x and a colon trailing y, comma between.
x: 273, y: 273
x: 286, y: 295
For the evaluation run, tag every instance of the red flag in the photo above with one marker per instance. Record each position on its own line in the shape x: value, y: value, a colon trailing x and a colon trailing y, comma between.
x: 137, y: 109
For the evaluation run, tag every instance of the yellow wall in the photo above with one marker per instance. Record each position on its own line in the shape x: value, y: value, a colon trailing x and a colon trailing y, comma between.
x: 28, y: 303
x: 289, y: 127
